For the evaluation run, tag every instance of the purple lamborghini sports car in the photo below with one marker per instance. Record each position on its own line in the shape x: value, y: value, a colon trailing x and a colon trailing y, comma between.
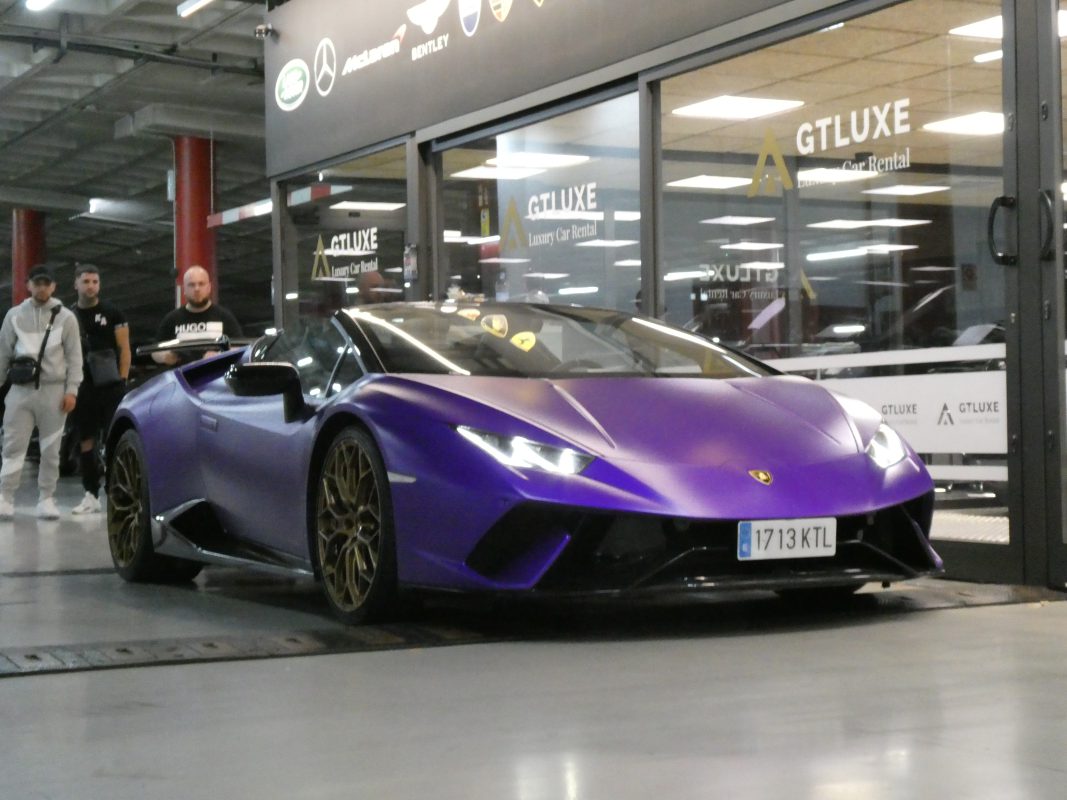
x: 529, y: 449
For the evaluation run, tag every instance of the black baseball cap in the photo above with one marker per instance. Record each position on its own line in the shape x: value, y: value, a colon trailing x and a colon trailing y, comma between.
x: 41, y: 273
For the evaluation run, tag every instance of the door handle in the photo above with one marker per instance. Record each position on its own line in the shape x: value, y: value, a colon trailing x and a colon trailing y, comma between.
x: 1004, y: 259
x: 1048, y: 206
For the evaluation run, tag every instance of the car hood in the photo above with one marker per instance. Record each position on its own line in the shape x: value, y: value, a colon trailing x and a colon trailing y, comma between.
x: 672, y: 420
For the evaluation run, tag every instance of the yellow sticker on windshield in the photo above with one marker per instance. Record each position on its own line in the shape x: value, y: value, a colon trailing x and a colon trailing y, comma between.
x: 469, y: 313
x: 524, y: 340
x: 496, y: 324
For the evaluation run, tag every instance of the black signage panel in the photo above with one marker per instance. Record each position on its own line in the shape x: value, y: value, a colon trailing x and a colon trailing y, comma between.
x: 345, y: 74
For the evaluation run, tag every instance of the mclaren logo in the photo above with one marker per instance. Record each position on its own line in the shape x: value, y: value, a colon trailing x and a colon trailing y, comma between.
x: 427, y: 13
x: 762, y: 476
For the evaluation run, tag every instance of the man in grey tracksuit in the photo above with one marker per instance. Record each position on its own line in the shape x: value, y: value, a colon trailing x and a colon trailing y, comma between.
x: 46, y: 406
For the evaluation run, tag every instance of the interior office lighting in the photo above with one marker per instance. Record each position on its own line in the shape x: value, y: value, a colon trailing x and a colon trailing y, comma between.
x: 486, y: 173
x: 763, y: 264
x: 536, y: 160
x: 980, y: 123
x: 607, y: 243
x: 890, y: 248
x: 855, y: 224
x: 547, y: 276
x: 834, y: 175
x: 636, y: 262
x: 584, y: 216
x: 685, y: 275
x: 360, y: 205
x: 833, y: 27
x: 351, y: 290
x: 752, y: 246
x: 905, y: 190
x: 993, y: 27
x: 732, y: 219
x: 480, y: 240
x: 292, y: 296
x: 847, y: 330
x: 710, y: 182
x: 41, y: 5
x: 933, y: 268
x: 496, y: 260
x: 836, y: 255
x: 578, y: 290
x: 739, y: 108
x: 992, y: 55
x: 190, y: 7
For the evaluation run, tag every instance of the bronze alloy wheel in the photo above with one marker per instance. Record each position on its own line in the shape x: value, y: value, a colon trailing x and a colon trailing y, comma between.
x: 125, y: 505
x: 129, y: 532
x: 353, y: 528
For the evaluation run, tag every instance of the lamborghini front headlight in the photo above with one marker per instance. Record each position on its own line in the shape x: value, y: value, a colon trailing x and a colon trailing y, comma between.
x: 886, y: 448
x: 518, y: 451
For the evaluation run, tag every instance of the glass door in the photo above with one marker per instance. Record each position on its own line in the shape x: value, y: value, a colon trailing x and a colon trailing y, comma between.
x: 826, y: 206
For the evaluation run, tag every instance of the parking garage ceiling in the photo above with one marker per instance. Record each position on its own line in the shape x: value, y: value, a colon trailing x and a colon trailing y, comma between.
x: 92, y: 93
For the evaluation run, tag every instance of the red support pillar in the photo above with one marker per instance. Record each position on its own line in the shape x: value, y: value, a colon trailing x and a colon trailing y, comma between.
x: 27, y: 249
x: 194, y: 242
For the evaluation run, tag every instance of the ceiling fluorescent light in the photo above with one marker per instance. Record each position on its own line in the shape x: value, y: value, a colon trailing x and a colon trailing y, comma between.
x: 905, y: 190
x: 496, y: 260
x: 980, y: 123
x: 547, y: 276
x: 763, y: 264
x: 752, y: 246
x: 536, y: 160
x: 739, y: 108
x: 993, y: 27
x: 40, y: 5
x: 710, y: 182
x: 359, y: 205
x: 854, y: 224
x: 190, y: 7
x: 992, y: 55
x: 497, y: 173
x: 736, y: 220
x: 607, y: 243
x: 579, y: 290
x: 685, y: 275
x: 628, y: 262
x: 832, y: 175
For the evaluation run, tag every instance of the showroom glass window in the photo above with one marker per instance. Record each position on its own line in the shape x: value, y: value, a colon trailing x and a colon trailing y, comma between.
x: 345, y: 234
x: 824, y: 205
x: 548, y: 211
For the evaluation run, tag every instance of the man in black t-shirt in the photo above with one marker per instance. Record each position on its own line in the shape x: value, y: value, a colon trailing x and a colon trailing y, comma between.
x: 106, y: 349
x: 199, y: 318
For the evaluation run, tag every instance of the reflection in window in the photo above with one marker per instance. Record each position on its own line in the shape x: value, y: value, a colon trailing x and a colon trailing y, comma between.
x: 548, y: 212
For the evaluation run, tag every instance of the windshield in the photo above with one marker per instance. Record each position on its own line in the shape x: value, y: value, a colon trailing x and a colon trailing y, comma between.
x: 522, y: 340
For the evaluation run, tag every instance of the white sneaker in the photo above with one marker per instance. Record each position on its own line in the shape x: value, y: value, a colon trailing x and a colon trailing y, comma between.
x: 47, y: 509
x: 88, y: 505
x: 7, y: 510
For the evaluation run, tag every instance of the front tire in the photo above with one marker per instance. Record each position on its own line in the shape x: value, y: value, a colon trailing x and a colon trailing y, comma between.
x: 129, y: 533
x: 354, y: 546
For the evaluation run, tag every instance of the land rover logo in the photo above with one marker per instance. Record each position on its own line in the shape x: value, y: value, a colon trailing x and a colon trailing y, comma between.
x: 292, y: 86
x: 762, y: 476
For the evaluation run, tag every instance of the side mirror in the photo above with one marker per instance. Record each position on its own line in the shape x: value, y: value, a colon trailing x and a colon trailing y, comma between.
x: 265, y: 378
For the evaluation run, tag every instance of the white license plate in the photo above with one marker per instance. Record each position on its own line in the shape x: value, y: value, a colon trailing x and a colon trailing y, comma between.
x: 786, y: 538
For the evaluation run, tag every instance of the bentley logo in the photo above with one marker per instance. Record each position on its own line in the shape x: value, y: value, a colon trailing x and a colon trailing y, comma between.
x: 762, y: 476
x: 325, y: 67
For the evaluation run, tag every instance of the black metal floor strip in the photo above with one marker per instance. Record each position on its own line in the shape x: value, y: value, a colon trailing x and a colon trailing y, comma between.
x: 112, y: 655
x: 31, y: 573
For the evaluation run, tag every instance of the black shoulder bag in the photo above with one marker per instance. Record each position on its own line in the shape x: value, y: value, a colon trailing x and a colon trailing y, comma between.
x: 27, y: 369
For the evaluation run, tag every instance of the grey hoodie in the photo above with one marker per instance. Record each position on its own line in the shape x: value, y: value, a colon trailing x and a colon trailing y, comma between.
x: 21, y: 335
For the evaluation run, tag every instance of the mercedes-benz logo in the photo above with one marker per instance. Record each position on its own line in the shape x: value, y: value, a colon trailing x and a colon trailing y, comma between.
x: 325, y: 67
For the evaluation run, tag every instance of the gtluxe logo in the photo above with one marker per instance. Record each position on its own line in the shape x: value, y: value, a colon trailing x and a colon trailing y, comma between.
x: 292, y: 85
x: 427, y: 13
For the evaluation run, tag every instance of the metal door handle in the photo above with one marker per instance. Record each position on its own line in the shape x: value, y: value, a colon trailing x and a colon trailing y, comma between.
x: 1048, y: 204
x: 1004, y: 259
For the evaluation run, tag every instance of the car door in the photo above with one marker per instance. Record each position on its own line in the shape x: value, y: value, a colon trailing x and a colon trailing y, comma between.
x: 255, y: 462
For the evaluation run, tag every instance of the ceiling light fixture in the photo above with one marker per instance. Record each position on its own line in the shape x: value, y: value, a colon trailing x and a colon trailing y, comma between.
x: 360, y: 205
x: 190, y: 7
x: 38, y: 5
x: 906, y: 190
x: 980, y: 123
x: 710, y: 182
x: 736, y: 220
x: 834, y: 175
x: 993, y: 28
x: 536, y: 160
x: 497, y: 173
x: 738, y: 108
x: 752, y: 246
x: 992, y: 55
x: 854, y: 224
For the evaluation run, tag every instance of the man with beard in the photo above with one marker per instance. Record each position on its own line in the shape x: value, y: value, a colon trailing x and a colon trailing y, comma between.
x: 199, y: 318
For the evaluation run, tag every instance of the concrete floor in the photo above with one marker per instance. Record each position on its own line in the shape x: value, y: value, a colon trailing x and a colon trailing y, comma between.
x: 902, y: 694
